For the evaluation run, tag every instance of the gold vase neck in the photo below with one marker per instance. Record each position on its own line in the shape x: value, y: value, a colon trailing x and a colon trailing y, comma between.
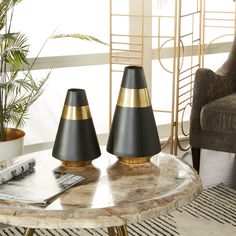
x: 134, y: 160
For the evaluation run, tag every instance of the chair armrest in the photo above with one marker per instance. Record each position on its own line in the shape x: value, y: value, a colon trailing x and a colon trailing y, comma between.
x: 208, y: 86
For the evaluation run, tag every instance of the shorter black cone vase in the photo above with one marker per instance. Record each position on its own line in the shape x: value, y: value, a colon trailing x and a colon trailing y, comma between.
x: 76, y: 141
x: 133, y: 136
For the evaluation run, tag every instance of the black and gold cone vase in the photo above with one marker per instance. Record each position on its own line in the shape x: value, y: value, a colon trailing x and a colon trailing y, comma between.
x: 76, y: 141
x: 133, y: 136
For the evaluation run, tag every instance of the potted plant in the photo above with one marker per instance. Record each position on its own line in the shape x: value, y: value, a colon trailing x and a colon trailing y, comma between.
x: 18, y: 89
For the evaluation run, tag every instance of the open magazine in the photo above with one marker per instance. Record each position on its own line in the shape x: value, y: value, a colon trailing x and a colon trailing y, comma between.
x: 24, y: 183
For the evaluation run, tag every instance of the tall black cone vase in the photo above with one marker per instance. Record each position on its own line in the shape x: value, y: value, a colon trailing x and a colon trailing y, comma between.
x: 76, y: 141
x: 133, y: 136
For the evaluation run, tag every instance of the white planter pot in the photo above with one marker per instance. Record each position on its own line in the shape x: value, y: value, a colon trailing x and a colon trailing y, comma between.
x: 14, y: 146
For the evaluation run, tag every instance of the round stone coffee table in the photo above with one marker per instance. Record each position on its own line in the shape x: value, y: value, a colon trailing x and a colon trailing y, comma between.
x: 112, y: 195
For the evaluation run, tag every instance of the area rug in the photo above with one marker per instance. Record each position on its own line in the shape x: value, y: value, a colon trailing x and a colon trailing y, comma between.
x: 213, y: 213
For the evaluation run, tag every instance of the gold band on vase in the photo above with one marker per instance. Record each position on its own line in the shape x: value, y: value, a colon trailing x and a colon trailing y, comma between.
x: 134, y: 98
x: 75, y: 163
x: 134, y: 160
x: 76, y: 113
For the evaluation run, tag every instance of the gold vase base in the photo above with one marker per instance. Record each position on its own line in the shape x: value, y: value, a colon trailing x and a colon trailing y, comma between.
x: 75, y: 163
x: 134, y: 160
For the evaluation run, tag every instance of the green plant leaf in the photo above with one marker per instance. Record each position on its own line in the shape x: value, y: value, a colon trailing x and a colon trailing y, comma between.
x: 78, y: 36
x: 5, y: 6
x: 16, y: 50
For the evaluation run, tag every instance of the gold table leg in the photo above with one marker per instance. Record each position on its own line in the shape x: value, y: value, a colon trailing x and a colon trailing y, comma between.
x: 118, y: 231
x: 29, y: 232
x: 111, y: 231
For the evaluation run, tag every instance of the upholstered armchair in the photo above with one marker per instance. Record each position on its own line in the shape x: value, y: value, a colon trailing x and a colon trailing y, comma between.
x: 213, y: 115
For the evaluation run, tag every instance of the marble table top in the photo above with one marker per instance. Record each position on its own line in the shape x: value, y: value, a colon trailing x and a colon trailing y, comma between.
x: 113, y: 194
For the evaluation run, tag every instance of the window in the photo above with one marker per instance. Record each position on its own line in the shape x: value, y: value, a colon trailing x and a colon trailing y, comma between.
x: 81, y: 64
x: 41, y: 18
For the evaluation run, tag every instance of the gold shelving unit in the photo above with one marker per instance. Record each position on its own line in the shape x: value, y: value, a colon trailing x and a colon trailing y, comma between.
x: 218, y: 26
x: 170, y: 45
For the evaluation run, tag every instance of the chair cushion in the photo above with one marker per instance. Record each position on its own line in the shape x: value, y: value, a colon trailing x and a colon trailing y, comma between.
x: 220, y: 115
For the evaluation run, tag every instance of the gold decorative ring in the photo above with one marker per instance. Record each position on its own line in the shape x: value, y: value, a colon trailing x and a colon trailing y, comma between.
x: 76, y: 113
x: 133, y: 98
x: 75, y: 163
x: 134, y: 160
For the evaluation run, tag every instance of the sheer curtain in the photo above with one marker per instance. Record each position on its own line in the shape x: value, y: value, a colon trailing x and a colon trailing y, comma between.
x: 162, y: 3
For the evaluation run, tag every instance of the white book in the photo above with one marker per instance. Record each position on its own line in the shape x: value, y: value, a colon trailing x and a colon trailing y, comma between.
x: 12, y: 168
